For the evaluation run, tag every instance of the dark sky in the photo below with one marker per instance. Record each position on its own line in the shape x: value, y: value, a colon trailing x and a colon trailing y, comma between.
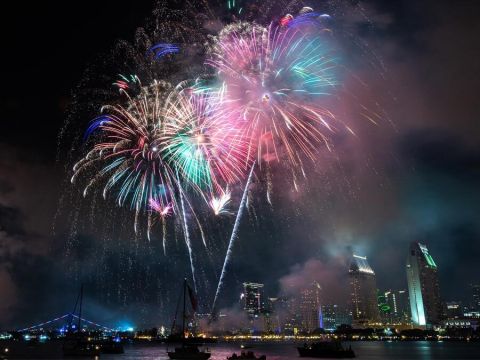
x: 416, y: 180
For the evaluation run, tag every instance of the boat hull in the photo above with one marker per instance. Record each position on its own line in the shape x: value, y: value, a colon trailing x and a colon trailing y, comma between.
x: 186, y: 356
x: 325, y: 353
x: 233, y: 357
x: 31, y: 350
x: 80, y: 347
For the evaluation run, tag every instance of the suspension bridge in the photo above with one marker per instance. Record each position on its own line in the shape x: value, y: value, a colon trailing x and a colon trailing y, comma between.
x: 69, y: 317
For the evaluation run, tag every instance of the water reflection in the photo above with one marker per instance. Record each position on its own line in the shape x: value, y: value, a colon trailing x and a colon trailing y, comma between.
x: 419, y: 350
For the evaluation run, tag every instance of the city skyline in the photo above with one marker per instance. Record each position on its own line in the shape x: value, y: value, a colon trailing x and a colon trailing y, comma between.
x: 309, y: 310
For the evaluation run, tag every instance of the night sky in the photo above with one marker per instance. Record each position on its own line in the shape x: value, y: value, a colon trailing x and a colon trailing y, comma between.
x: 414, y: 178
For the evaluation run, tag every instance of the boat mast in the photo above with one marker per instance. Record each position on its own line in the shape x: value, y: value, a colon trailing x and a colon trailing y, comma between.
x: 184, y: 306
x: 80, y: 309
x: 73, y: 313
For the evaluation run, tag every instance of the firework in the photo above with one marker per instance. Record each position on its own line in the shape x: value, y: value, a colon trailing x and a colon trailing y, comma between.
x: 219, y: 204
x: 126, y: 154
x: 233, y: 237
x: 187, y: 240
x: 125, y: 82
x: 275, y: 79
x: 160, y: 50
x: 200, y: 144
x: 163, y: 212
x: 266, y: 97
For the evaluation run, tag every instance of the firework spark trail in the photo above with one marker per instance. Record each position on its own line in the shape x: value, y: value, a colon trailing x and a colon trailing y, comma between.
x: 233, y: 238
x: 160, y: 50
x: 187, y: 239
x: 162, y: 212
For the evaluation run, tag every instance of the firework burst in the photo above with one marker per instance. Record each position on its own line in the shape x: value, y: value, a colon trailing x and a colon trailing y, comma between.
x: 169, y: 152
x: 275, y: 79
x: 126, y: 155
x: 200, y: 143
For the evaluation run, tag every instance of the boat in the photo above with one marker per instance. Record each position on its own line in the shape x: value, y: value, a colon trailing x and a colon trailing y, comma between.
x: 177, y: 338
x: 249, y: 355
x: 78, y: 344
x: 187, y: 350
x: 326, y: 349
x: 110, y: 347
x: 74, y: 347
x: 32, y: 349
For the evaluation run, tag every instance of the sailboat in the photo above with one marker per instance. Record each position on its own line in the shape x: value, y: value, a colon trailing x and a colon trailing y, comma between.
x: 188, y: 351
x: 76, y: 343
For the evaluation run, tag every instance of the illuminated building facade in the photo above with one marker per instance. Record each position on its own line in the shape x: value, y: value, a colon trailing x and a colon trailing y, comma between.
x: 454, y: 310
x: 252, y: 296
x: 363, y: 292
x: 287, y: 317
x: 423, y: 287
x: 398, y: 306
x: 268, y: 311
x: 475, y: 288
x: 328, y: 317
x: 310, y: 308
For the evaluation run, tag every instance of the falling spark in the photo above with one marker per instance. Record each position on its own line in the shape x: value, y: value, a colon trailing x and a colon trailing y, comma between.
x: 218, y: 204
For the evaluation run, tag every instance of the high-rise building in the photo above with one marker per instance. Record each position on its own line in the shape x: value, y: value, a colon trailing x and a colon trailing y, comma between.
x: 310, y: 308
x: 287, y: 314
x: 398, y: 306
x: 332, y: 316
x: 363, y: 292
x: 423, y: 288
x: 475, y: 296
x: 402, y: 310
x: 252, y: 298
x: 268, y: 312
x: 343, y: 316
x: 328, y: 317
x: 385, y: 306
x: 454, y: 310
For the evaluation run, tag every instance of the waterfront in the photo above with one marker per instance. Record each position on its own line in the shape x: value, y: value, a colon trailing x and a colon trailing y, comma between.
x: 411, y: 350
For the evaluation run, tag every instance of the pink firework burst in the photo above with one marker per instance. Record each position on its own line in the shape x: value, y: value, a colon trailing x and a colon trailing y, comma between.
x: 276, y: 80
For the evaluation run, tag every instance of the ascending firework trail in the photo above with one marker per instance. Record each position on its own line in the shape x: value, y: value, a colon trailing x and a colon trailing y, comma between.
x: 232, y: 239
x: 187, y: 239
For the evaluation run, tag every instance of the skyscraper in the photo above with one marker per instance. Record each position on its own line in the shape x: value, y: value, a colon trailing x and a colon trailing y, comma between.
x: 403, y: 306
x: 332, y: 316
x: 454, y: 310
x: 399, y: 311
x: 268, y: 311
x: 288, y: 314
x: 252, y: 298
x: 475, y: 296
x: 328, y: 317
x: 363, y: 292
x: 310, y: 308
x: 423, y: 288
